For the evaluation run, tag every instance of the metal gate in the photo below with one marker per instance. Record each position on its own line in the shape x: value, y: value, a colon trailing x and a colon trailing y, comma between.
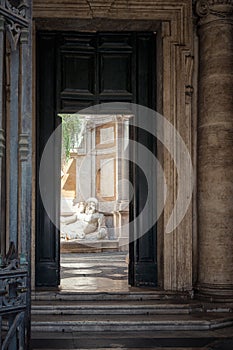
x: 15, y: 172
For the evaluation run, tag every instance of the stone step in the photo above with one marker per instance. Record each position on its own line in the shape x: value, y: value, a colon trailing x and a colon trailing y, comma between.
x: 135, y: 294
x: 109, y: 323
x: 113, y: 308
x: 86, y: 246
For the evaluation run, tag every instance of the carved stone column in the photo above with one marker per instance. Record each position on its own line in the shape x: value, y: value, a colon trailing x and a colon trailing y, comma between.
x: 215, y: 149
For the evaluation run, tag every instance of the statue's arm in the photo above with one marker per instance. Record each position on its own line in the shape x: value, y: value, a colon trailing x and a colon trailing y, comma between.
x: 71, y: 219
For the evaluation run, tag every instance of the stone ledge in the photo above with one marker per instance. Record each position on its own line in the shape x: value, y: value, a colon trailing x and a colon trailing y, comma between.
x: 85, y: 246
x: 86, y: 323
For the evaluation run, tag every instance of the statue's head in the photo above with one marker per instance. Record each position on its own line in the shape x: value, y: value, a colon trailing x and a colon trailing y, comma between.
x: 91, y: 206
x: 81, y: 207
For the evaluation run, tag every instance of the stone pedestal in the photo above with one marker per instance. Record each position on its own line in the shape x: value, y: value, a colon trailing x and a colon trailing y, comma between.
x: 215, y: 149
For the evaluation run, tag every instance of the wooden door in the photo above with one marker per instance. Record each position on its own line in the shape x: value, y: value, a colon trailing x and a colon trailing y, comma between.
x: 78, y: 70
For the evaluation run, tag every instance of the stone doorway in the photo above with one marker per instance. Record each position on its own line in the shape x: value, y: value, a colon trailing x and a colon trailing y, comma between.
x: 111, y: 67
x: 95, y: 197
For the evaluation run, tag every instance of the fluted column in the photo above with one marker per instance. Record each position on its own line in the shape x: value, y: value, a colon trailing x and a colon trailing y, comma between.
x: 215, y: 149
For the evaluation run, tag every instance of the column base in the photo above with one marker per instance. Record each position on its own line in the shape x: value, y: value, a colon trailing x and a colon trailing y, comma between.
x: 214, y: 292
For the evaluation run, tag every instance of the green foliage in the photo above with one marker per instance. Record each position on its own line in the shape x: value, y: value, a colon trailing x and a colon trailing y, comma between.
x: 71, y: 129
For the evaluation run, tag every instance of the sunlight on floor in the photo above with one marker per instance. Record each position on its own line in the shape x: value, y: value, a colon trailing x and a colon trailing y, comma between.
x: 97, y: 272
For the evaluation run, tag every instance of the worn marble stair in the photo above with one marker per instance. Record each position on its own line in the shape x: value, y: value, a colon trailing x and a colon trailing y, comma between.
x: 133, y: 312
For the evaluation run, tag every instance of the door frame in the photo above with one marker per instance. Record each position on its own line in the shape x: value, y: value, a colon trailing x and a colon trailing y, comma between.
x: 134, y: 253
x: 176, y: 102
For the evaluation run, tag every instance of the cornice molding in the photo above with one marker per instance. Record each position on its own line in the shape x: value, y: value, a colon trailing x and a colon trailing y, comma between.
x: 177, y: 12
x: 14, y: 15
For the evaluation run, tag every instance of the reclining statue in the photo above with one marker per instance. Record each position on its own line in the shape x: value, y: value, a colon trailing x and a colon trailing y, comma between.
x: 86, y: 221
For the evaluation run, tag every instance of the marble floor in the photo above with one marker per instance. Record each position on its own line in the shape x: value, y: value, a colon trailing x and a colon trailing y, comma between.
x: 221, y: 339
x: 94, y: 272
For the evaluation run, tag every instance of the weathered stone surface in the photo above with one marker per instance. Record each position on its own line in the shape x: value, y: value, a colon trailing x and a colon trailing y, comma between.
x: 215, y: 156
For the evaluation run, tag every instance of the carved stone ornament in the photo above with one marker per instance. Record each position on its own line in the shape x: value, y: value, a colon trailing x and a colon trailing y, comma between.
x: 217, y: 8
x: 18, y: 7
x: 13, y: 31
x: 10, y: 261
x: 13, y: 282
x: 23, y: 147
x: 202, y: 8
x: 15, y: 16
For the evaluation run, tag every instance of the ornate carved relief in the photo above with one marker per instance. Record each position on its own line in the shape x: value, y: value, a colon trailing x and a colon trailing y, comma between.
x: 13, y: 296
x: 18, y: 7
x: 23, y: 147
x: 15, y: 7
x: 13, y: 31
x: 202, y: 8
x: 213, y: 8
x: 15, y: 14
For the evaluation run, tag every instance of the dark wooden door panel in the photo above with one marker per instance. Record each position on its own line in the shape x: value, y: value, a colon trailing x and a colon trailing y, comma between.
x: 78, y: 70
x: 47, y: 235
x: 115, y: 73
x: 78, y: 73
x: 143, y: 249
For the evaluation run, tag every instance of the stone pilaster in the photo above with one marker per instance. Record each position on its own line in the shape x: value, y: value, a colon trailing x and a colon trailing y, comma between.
x: 215, y: 149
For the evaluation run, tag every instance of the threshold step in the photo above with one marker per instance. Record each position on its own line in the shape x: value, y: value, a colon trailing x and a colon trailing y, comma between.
x: 104, y: 323
x: 90, y: 296
x: 142, y: 308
